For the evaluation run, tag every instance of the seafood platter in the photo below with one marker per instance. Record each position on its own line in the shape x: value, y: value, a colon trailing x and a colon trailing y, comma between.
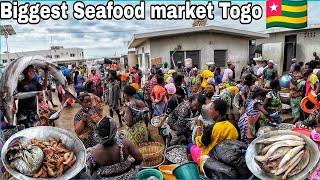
x: 43, y: 152
x: 282, y: 154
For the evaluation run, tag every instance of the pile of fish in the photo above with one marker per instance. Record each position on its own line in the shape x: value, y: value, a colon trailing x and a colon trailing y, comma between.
x: 283, y: 155
x: 177, y: 154
x: 41, y: 159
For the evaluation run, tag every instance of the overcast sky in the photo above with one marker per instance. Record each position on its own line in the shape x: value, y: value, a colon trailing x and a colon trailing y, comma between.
x: 110, y: 37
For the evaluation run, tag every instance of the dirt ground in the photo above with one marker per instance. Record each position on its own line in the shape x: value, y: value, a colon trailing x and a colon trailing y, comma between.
x: 66, y: 120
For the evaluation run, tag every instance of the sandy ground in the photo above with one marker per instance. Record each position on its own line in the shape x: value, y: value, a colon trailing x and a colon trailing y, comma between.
x: 66, y: 120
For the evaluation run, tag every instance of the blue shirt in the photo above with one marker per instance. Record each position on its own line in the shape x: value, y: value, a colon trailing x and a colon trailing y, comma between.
x: 217, y: 80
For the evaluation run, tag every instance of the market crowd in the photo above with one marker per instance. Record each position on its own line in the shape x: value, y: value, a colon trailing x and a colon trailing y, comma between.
x: 198, y: 108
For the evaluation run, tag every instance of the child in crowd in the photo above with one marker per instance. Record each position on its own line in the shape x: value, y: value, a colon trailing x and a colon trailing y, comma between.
x: 272, y: 102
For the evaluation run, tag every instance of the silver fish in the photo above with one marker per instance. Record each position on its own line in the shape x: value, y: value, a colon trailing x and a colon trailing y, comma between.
x: 298, y: 157
x: 24, y: 95
x: 289, y: 155
x: 301, y: 165
x: 10, y: 77
x: 280, y: 138
x: 279, y: 153
x: 287, y: 143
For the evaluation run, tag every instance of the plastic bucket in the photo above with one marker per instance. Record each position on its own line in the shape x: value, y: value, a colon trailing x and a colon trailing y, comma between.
x: 187, y: 171
x: 167, y: 171
x: 147, y: 173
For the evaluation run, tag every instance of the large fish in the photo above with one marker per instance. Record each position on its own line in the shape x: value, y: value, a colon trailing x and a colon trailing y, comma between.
x: 10, y: 78
x: 301, y: 164
x: 286, y: 143
x: 289, y: 155
x: 296, y: 158
x: 280, y: 138
x: 279, y: 153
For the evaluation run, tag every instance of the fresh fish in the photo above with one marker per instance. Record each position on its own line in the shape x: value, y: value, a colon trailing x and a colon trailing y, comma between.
x: 268, y: 166
x: 298, y: 157
x: 289, y: 155
x: 301, y: 165
x: 275, y: 146
x: 279, y: 153
x: 265, y: 149
x: 280, y: 138
x: 24, y: 95
x: 10, y: 77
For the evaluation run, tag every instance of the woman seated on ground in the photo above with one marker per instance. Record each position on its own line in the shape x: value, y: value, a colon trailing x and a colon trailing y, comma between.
x: 113, y: 157
x: 221, y: 130
x: 85, y: 120
x: 135, y: 117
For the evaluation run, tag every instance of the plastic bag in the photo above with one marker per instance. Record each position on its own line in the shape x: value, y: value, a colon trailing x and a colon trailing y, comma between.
x: 232, y: 153
x: 215, y: 169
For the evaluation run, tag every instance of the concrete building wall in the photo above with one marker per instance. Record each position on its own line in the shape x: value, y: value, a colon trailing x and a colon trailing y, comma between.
x: 308, y: 41
x: 237, y: 47
x: 142, y: 52
x: 132, y: 58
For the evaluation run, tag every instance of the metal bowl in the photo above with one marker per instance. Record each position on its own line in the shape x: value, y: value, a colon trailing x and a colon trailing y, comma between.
x: 174, y: 158
x: 254, y: 148
x: 71, y: 141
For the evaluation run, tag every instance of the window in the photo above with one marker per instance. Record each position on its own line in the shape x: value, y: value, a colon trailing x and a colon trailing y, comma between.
x: 177, y: 57
x: 147, y: 59
x: 72, y: 55
x: 180, y: 56
x: 56, y: 56
x: 11, y: 59
x: 195, y: 56
x: 81, y: 54
x: 142, y: 49
x: 4, y: 61
x: 220, y: 57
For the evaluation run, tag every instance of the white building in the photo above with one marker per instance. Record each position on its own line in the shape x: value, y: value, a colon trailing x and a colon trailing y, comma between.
x: 57, y: 54
x: 284, y: 44
x: 201, y: 44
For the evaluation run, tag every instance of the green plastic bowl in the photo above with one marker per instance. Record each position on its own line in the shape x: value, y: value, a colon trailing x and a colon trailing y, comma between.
x: 187, y: 171
x: 147, y: 173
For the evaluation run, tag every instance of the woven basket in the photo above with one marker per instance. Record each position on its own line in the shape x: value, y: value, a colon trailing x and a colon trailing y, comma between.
x: 152, y: 153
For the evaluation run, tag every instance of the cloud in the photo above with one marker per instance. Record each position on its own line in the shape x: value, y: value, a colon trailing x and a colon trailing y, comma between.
x: 102, y: 38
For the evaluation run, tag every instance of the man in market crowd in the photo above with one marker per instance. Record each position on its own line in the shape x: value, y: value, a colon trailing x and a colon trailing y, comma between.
x: 27, y: 114
x: 316, y: 57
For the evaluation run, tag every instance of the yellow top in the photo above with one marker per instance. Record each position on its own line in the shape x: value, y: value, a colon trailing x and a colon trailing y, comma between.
x: 233, y: 89
x: 205, y: 75
x: 221, y: 131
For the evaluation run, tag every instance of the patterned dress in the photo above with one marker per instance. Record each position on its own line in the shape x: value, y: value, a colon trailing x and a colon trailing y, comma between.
x: 247, y: 122
x: 122, y: 170
x: 274, y: 105
x: 138, y: 132
x: 89, y: 128
x: 295, y: 101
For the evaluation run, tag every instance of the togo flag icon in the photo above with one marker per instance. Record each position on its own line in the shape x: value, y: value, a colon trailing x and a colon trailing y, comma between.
x: 287, y: 13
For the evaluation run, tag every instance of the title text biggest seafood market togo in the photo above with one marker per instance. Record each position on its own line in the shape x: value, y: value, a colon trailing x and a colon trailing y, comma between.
x: 27, y: 13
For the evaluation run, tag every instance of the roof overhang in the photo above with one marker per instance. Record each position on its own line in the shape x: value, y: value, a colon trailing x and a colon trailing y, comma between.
x: 138, y: 39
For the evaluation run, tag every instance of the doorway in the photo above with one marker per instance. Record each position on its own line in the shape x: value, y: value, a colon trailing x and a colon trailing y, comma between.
x: 289, y: 51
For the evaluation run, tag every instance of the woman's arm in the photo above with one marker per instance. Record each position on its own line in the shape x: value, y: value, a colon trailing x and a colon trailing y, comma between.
x: 265, y: 102
x: 262, y: 109
x: 135, y: 153
x: 80, y: 123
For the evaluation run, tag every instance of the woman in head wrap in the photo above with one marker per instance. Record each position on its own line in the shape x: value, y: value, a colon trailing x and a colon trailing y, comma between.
x: 86, y: 119
x: 113, y: 157
x: 270, y: 73
x: 135, y: 117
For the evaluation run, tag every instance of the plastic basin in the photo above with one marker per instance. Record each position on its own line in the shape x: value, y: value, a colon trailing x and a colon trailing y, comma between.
x: 187, y: 171
x: 147, y: 173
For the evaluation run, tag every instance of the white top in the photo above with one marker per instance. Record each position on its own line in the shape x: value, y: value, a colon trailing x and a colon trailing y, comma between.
x: 227, y: 75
